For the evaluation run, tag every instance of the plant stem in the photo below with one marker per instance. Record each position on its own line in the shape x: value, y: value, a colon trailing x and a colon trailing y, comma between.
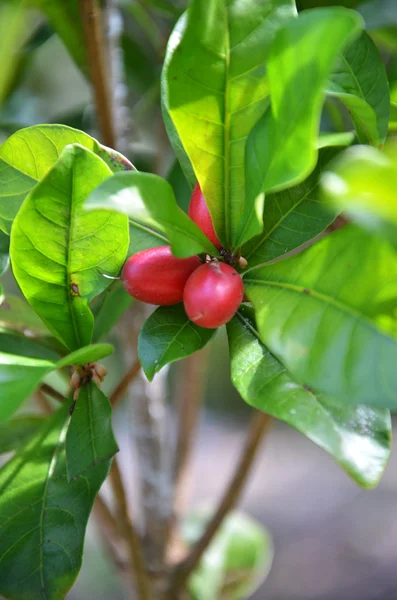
x: 128, y: 532
x: 47, y: 389
x: 96, y: 56
x: 125, y: 382
x: 258, y: 427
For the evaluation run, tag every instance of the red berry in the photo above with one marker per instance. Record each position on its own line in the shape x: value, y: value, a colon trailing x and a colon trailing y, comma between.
x: 199, y: 213
x: 156, y: 276
x: 213, y: 294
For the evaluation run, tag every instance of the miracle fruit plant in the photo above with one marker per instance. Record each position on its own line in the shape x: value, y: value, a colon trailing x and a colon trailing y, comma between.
x: 312, y: 337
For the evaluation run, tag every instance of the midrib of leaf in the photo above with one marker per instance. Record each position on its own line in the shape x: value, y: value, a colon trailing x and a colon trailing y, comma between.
x: 173, y: 339
x: 226, y: 133
x: 50, y: 472
x: 90, y: 411
x: 68, y: 274
x: 355, y: 314
x: 277, y: 224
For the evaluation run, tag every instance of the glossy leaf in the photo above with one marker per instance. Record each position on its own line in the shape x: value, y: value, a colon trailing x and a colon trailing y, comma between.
x: 291, y: 217
x: 214, y: 91
x: 28, y: 155
x: 359, y: 80
x: 108, y: 309
x: 16, y: 432
x: 236, y: 562
x: 90, y: 438
x: 154, y: 215
x: 363, y: 182
x: 60, y: 252
x: 168, y: 335
x: 19, y: 376
x: 282, y: 148
x: 329, y: 315
x: 43, y: 516
x: 85, y: 355
x: 357, y: 437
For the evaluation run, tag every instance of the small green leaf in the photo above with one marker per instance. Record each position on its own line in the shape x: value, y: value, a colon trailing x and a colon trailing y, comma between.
x: 363, y: 182
x: 60, y: 252
x: 327, y: 140
x: 236, y: 562
x: 168, y: 335
x: 28, y: 155
x: 329, y: 315
x: 358, y: 437
x: 43, y: 516
x: 215, y: 89
x: 282, y: 148
x: 85, y: 355
x: 16, y: 432
x: 90, y: 438
x: 150, y: 203
x: 359, y: 80
x: 291, y: 217
x: 19, y: 376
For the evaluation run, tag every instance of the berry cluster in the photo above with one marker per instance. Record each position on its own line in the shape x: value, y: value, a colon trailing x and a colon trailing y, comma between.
x: 211, y: 291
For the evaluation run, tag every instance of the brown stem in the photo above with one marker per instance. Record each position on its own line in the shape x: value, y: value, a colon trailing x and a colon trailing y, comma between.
x: 128, y: 532
x: 125, y: 382
x: 96, y: 56
x: 47, y: 389
x: 259, y: 425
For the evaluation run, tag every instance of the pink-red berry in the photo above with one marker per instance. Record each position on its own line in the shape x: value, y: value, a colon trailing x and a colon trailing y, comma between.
x: 199, y: 213
x: 213, y: 294
x: 156, y: 276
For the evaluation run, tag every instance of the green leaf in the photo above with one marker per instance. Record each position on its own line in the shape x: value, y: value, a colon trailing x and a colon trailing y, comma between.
x: 16, y: 432
x: 15, y: 342
x: 155, y: 217
x: 282, y: 148
x: 16, y: 314
x: 357, y: 437
x: 19, y: 376
x: 326, y: 140
x: 237, y: 561
x: 60, y: 252
x: 43, y: 516
x: 85, y: 355
x: 359, y: 80
x: 108, y: 308
x: 13, y: 21
x: 214, y: 91
x: 329, y: 316
x: 168, y: 335
x: 28, y: 155
x: 362, y: 182
x: 90, y: 438
x: 291, y: 217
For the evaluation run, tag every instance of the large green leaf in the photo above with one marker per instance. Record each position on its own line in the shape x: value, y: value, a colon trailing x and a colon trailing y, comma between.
x: 363, y: 182
x: 168, y: 335
x: 108, y: 308
x: 16, y: 432
x: 154, y: 215
x: 359, y: 80
x: 236, y: 562
x: 43, y: 516
x: 358, y: 437
x: 291, y: 217
x: 282, y: 148
x: 214, y: 91
x: 28, y: 155
x: 60, y: 252
x: 90, y: 439
x: 19, y: 376
x: 329, y: 316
